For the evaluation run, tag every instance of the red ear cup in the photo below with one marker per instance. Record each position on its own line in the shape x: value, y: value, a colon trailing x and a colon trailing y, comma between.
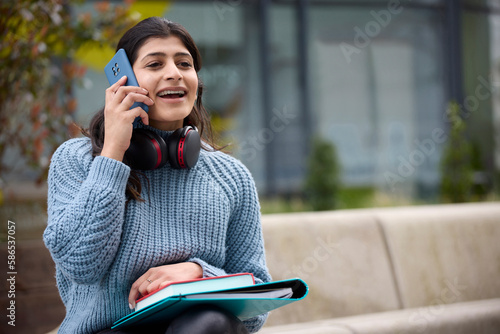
x: 149, y: 151
x: 184, y: 147
x: 146, y: 150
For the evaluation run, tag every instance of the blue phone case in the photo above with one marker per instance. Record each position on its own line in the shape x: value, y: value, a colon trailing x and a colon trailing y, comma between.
x: 119, y: 66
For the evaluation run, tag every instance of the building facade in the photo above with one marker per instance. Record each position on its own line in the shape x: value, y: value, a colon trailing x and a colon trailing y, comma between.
x: 373, y: 77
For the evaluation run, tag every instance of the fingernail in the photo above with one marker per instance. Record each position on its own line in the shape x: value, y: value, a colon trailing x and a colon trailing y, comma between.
x: 130, y: 306
x: 144, y: 89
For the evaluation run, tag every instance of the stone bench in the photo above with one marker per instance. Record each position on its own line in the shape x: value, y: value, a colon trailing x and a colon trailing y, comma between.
x: 422, y: 269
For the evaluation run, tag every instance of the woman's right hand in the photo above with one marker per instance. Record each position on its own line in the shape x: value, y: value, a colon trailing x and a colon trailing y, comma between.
x: 119, y: 118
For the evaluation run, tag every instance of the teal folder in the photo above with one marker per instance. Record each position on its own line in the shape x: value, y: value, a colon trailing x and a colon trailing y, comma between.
x: 244, y: 305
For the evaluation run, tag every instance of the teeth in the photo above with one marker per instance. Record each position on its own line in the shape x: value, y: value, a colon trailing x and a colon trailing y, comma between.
x: 171, y: 92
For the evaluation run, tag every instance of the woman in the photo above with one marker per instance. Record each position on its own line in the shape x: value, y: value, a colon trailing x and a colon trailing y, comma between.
x: 116, y: 233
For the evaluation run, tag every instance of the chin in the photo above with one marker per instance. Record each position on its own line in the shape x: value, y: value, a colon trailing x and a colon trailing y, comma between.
x: 168, y: 116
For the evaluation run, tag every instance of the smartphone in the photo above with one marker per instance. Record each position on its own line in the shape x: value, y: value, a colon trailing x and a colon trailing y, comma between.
x: 119, y: 66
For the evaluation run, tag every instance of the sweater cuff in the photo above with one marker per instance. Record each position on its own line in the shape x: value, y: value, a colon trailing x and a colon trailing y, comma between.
x: 109, y: 174
x: 208, y: 270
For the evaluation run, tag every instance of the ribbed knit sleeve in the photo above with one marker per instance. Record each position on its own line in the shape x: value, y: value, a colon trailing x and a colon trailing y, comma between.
x: 86, y: 201
x: 244, y: 238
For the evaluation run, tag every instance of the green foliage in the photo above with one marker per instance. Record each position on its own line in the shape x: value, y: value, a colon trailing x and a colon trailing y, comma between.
x: 283, y: 204
x: 322, y: 182
x: 38, y: 70
x: 456, y: 162
x: 356, y: 197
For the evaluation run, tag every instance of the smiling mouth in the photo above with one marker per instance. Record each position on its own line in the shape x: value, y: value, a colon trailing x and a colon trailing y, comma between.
x: 172, y: 94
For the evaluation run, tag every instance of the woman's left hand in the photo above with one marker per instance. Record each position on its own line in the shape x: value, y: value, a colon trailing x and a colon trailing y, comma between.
x: 158, y: 277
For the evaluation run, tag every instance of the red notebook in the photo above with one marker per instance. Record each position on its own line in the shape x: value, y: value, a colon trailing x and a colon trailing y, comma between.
x: 207, y: 284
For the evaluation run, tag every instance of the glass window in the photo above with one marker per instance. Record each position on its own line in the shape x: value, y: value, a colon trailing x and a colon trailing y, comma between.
x: 378, y: 91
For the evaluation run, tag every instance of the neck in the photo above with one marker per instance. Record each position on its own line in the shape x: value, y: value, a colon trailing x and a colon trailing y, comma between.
x: 166, y: 126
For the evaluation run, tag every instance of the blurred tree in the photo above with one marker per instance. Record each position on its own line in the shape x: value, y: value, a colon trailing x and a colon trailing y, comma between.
x: 38, y: 70
x: 456, y: 162
x: 323, y: 180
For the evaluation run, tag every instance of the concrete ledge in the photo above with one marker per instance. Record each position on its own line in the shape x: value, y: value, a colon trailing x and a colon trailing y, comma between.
x: 439, y: 262
x: 341, y: 255
x: 314, y: 327
x: 461, y: 318
x: 444, y: 254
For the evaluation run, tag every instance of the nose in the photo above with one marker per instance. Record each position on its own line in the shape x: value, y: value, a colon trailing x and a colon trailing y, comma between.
x: 171, y: 71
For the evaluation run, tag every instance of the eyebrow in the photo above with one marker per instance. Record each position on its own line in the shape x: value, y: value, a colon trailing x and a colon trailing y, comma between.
x: 163, y: 54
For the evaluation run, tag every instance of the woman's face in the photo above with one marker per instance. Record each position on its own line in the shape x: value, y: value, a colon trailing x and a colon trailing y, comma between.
x: 165, y: 68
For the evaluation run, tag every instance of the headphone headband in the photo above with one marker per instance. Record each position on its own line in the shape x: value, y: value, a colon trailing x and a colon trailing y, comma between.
x: 149, y: 151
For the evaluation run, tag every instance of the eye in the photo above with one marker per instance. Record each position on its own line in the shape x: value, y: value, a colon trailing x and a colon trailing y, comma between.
x: 185, y: 64
x: 154, y: 65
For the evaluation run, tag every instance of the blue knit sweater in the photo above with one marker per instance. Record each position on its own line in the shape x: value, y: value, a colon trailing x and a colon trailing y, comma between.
x: 209, y: 215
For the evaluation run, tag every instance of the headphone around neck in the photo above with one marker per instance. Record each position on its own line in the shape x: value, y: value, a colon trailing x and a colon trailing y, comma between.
x: 149, y: 151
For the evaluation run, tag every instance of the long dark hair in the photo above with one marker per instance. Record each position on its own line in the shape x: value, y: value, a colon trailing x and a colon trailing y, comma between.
x: 131, y: 42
